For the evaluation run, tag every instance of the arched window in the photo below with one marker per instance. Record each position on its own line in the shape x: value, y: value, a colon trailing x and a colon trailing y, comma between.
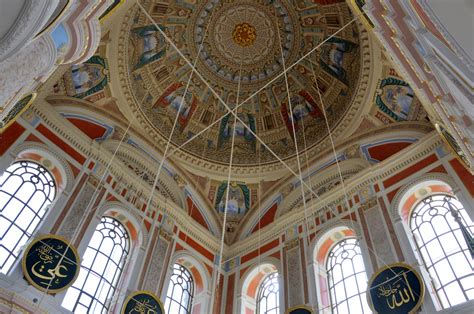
x: 179, y: 298
x: 436, y: 225
x: 26, y: 191
x: 347, y: 279
x: 101, y: 268
x: 268, y: 295
x: 260, y: 289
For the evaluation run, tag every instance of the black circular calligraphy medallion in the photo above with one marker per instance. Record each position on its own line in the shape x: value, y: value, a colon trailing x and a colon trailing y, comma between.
x: 51, y: 264
x: 142, y: 302
x: 395, y: 288
x: 300, y: 309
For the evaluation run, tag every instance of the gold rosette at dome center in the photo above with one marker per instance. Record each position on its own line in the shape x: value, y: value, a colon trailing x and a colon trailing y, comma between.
x: 244, y: 34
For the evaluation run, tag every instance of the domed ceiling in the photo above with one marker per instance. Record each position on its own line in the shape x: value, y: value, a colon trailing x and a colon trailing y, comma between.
x: 223, y: 38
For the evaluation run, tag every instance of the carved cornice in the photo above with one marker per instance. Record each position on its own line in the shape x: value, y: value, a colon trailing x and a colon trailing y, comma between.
x: 178, y: 215
x: 365, y: 178
x: 94, y: 151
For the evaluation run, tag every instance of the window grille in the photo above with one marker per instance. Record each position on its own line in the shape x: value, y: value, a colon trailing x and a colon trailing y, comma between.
x: 101, y: 268
x: 180, y: 291
x: 26, y: 191
x: 347, y: 279
x: 439, y: 224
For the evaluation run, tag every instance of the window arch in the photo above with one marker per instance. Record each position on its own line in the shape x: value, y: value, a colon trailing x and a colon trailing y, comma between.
x: 436, y: 223
x: 101, y: 268
x: 26, y: 191
x: 347, y: 278
x: 179, y: 297
x: 268, y: 295
x: 260, y: 289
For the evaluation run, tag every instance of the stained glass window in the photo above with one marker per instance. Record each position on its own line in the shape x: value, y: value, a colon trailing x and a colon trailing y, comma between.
x: 268, y: 298
x: 101, y: 268
x: 347, y: 279
x: 26, y: 191
x: 180, y: 291
x: 443, y: 247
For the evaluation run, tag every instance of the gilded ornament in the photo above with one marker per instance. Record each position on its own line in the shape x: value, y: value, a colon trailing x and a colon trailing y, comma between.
x: 244, y: 34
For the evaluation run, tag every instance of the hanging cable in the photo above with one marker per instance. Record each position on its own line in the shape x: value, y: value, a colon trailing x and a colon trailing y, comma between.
x: 218, y: 96
x: 193, y: 67
x: 229, y: 174
x: 305, y: 242
x: 340, y: 172
x: 88, y: 210
x: 259, y: 90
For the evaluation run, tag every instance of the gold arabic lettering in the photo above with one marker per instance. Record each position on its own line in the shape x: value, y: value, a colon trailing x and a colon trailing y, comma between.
x: 143, y: 307
x: 53, y: 272
x: 404, y: 294
x: 45, y: 253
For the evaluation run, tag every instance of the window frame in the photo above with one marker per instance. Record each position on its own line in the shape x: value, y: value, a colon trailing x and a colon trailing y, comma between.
x: 417, y: 237
x: 39, y: 215
x: 95, y: 299
x: 334, y: 304
x: 190, y: 289
x: 263, y: 287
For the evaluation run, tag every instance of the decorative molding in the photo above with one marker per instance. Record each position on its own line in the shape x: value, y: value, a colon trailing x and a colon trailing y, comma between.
x: 48, y: 152
x: 204, y: 167
x: 401, y: 193
x: 33, y: 16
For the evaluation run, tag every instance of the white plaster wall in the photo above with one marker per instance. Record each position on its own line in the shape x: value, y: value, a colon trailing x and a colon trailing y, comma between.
x: 21, y: 24
x: 457, y: 16
x: 20, y: 72
x: 9, y: 12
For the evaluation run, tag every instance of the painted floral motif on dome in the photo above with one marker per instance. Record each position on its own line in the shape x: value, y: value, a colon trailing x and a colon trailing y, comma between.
x: 244, y: 34
x: 257, y: 39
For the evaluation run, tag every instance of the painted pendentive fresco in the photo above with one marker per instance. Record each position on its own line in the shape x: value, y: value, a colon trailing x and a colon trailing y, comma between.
x: 20, y: 106
x: 150, y: 44
x: 395, y: 98
x: 303, y: 106
x: 173, y: 100
x: 242, y: 135
x: 239, y: 199
x: 87, y: 78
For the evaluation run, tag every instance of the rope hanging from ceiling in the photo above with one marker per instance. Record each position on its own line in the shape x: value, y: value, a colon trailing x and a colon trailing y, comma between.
x: 304, y: 186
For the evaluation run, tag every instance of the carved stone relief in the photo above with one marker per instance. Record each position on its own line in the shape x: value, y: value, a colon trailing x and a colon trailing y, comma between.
x: 156, y: 265
x: 379, y: 235
x: 73, y: 219
x: 295, y: 291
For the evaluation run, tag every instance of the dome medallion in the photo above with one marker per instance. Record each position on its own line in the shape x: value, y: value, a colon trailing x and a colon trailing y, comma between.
x: 243, y: 34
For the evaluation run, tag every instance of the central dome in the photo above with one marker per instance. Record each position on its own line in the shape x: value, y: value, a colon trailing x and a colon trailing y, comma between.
x: 243, y: 36
x: 223, y: 39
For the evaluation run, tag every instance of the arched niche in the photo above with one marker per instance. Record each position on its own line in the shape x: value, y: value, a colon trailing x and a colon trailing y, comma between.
x: 201, y: 278
x: 320, y: 248
x: 48, y: 158
x: 433, y: 201
x: 252, y: 280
